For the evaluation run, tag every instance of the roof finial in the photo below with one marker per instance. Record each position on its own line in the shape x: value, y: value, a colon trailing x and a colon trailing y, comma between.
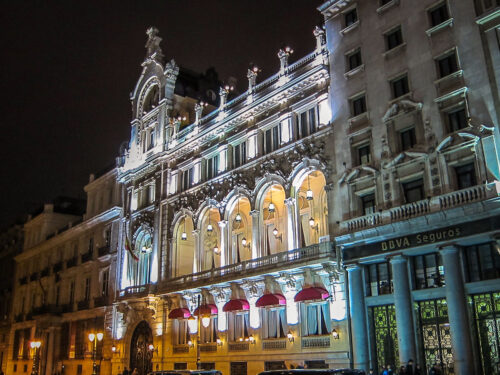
x: 153, y: 49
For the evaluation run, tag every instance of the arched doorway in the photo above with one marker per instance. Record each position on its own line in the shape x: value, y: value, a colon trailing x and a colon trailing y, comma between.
x: 140, y: 354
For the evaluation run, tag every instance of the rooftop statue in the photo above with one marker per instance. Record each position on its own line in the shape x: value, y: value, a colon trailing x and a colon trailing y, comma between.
x: 153, y: 49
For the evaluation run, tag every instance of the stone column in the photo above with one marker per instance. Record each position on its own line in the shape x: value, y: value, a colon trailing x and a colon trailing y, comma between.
x: 402, y: 304
x: 457, y: 311
x: 291, y: 232
x: 330, y: 202
x: 357, y: 311
x: 224, y: 242
x: 256, y: 246
x: 197, y: 251
x: 50, y: 351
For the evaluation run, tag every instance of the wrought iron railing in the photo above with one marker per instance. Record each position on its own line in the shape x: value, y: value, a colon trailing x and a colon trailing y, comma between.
x: 316, y: 342
x: 274, y: 344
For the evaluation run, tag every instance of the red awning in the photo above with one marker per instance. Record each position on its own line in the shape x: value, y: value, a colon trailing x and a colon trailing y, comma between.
x: 180, y: 313
x: 271, y: 300
x: 311, y: 294
x: 236, y: 305
x: 208, y: 309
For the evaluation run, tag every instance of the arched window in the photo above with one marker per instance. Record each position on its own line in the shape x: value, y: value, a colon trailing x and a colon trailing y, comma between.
x: 210, y: 244
x: 151, y: 99
x: 139, y: 264
x: 274, y: 220
x: 183, y: 259
x: 240, y: 231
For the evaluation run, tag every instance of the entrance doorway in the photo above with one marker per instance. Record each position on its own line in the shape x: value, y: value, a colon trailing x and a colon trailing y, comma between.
x: 140, y: 354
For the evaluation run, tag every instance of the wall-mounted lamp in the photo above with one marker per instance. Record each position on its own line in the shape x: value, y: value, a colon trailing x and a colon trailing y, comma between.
x: 216, y: 250
x: 205, y: 320
x: 152, y: 348
x: 278, y: 237
x: 245, y: 243
x: 210, y: 228
x: 190, y: 343
x: 290, y: 337
x: 115, y: 350
x: 249, y: 339
x: 335, y: 335
x: 219, y: 342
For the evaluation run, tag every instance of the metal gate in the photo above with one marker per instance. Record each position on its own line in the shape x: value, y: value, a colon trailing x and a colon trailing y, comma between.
x: 140, y: 354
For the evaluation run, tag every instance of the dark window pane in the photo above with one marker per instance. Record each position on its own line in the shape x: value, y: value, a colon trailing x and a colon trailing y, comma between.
x: 312, y: 120
x: 439, y: 15
x: 243, y: 152
x: 414, y: 191
x: 394, y: 39
x: 400, y: 87
x: 237, y: 162
x: 358, y: 106
x: 447, y: 65
x: 354, y: 60
x: 275, y: 138
x: 466, y: 176
x: 368, y: 202
x: 303, y: 124
x: 351, y: 17
x: 364, y: 156
x: 457, y: 120
x: 269, y: 142
x: 408, y: 139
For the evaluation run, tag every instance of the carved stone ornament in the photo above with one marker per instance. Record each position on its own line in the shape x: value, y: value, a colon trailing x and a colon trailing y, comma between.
x: 281, y: 165
x: 153, y: 49
x: 401, y: 107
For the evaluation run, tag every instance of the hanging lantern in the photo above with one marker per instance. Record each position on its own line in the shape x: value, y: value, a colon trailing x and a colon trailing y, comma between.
x: 210, y: 228
x: 312, y: 222
x: 271, y: 207
x: 192, y: 325
x: 184, y: 236
x: 309, y: 192
x: 238, y: 218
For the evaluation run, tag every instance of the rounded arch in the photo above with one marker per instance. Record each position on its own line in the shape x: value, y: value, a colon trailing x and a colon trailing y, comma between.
x: 183, y: 243
x: 239, y: 226
x: 301, y: 171
x: 149, y: 96
x: 209, y: 255
x: 140, y: 353
x: 262, y: 185
x: 311, y: 206
x: 270, y: 203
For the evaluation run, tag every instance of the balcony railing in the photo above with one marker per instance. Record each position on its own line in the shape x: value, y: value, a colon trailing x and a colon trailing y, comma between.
x: 137, y: 290
x: 238, y: 346
x: 274, y: 344
x: 83, y: 305
x: 102, y: 251
x: 181, y: 349
x: 316, y: 342
x: 435, y: 204
x: 87, y: 257
x: 101, y: 301
x: 208, y: 348
x: 71, y: 262
x: 274, y: 261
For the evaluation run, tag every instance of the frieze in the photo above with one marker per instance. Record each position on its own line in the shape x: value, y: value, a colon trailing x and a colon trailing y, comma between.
x: 279, y: 164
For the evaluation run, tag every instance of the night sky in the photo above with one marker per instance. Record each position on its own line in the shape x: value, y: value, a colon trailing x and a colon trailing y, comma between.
x: 68, y: 68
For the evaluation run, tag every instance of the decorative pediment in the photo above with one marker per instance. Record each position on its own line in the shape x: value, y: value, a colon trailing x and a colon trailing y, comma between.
x: 405, y: 157
x: 350, y: 176
x: 462, y: 137
x: 401, y: 107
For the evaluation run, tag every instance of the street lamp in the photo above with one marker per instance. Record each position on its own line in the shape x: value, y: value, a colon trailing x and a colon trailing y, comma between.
x: 35, y: 345
x: 93, y: 338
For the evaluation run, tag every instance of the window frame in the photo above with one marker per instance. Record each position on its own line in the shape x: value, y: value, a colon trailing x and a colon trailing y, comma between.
x: 434, y: 8
x: 472, y: 171
x: 421, y: 187
x: 396, y: 31
x: 406, y: 86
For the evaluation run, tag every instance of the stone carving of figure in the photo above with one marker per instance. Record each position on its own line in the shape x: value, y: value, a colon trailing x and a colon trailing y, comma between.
x: 153, y: 49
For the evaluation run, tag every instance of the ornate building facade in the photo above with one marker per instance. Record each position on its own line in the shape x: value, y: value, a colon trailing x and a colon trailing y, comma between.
x: 343, y: 212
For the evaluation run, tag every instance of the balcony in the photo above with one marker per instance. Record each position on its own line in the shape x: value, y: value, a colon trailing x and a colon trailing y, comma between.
x: 84, y: 305
x: 101, y: 301
x: 283, y: 260
x: 316, y: 342
x: 102, y: 251
x: 238, y: 346
x: 87, y: 257
x: 71, y: 262
x: 208, y: 348
x: 45, y: 272
x: 137, y: 291
x: 57, y: 267
x: 274, y: 344
x: 181, y: 349
x: 438, y: 203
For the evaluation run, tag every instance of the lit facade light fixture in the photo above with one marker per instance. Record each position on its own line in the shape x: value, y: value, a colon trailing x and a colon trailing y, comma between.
x: 309, y: 195
x: 335, y: 335
x: 288, y: 50
x: 192, y: 325
x: 251, y: 339
x: 290, y: 337
x: 271, y: 207
x: 114, y: 349
x: 276, y: 235
x: 219, y: 342
x: 184, y: 236
x: 91, y: 337
x: 205, y: 320
x: 152, y: 348
x: 190, y: 343
x: 238, y: 218
x: 245, y: 242
x: 216, y: 250
x: 35, y: 344
x: 210, y: 228
x: 312, y: 224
